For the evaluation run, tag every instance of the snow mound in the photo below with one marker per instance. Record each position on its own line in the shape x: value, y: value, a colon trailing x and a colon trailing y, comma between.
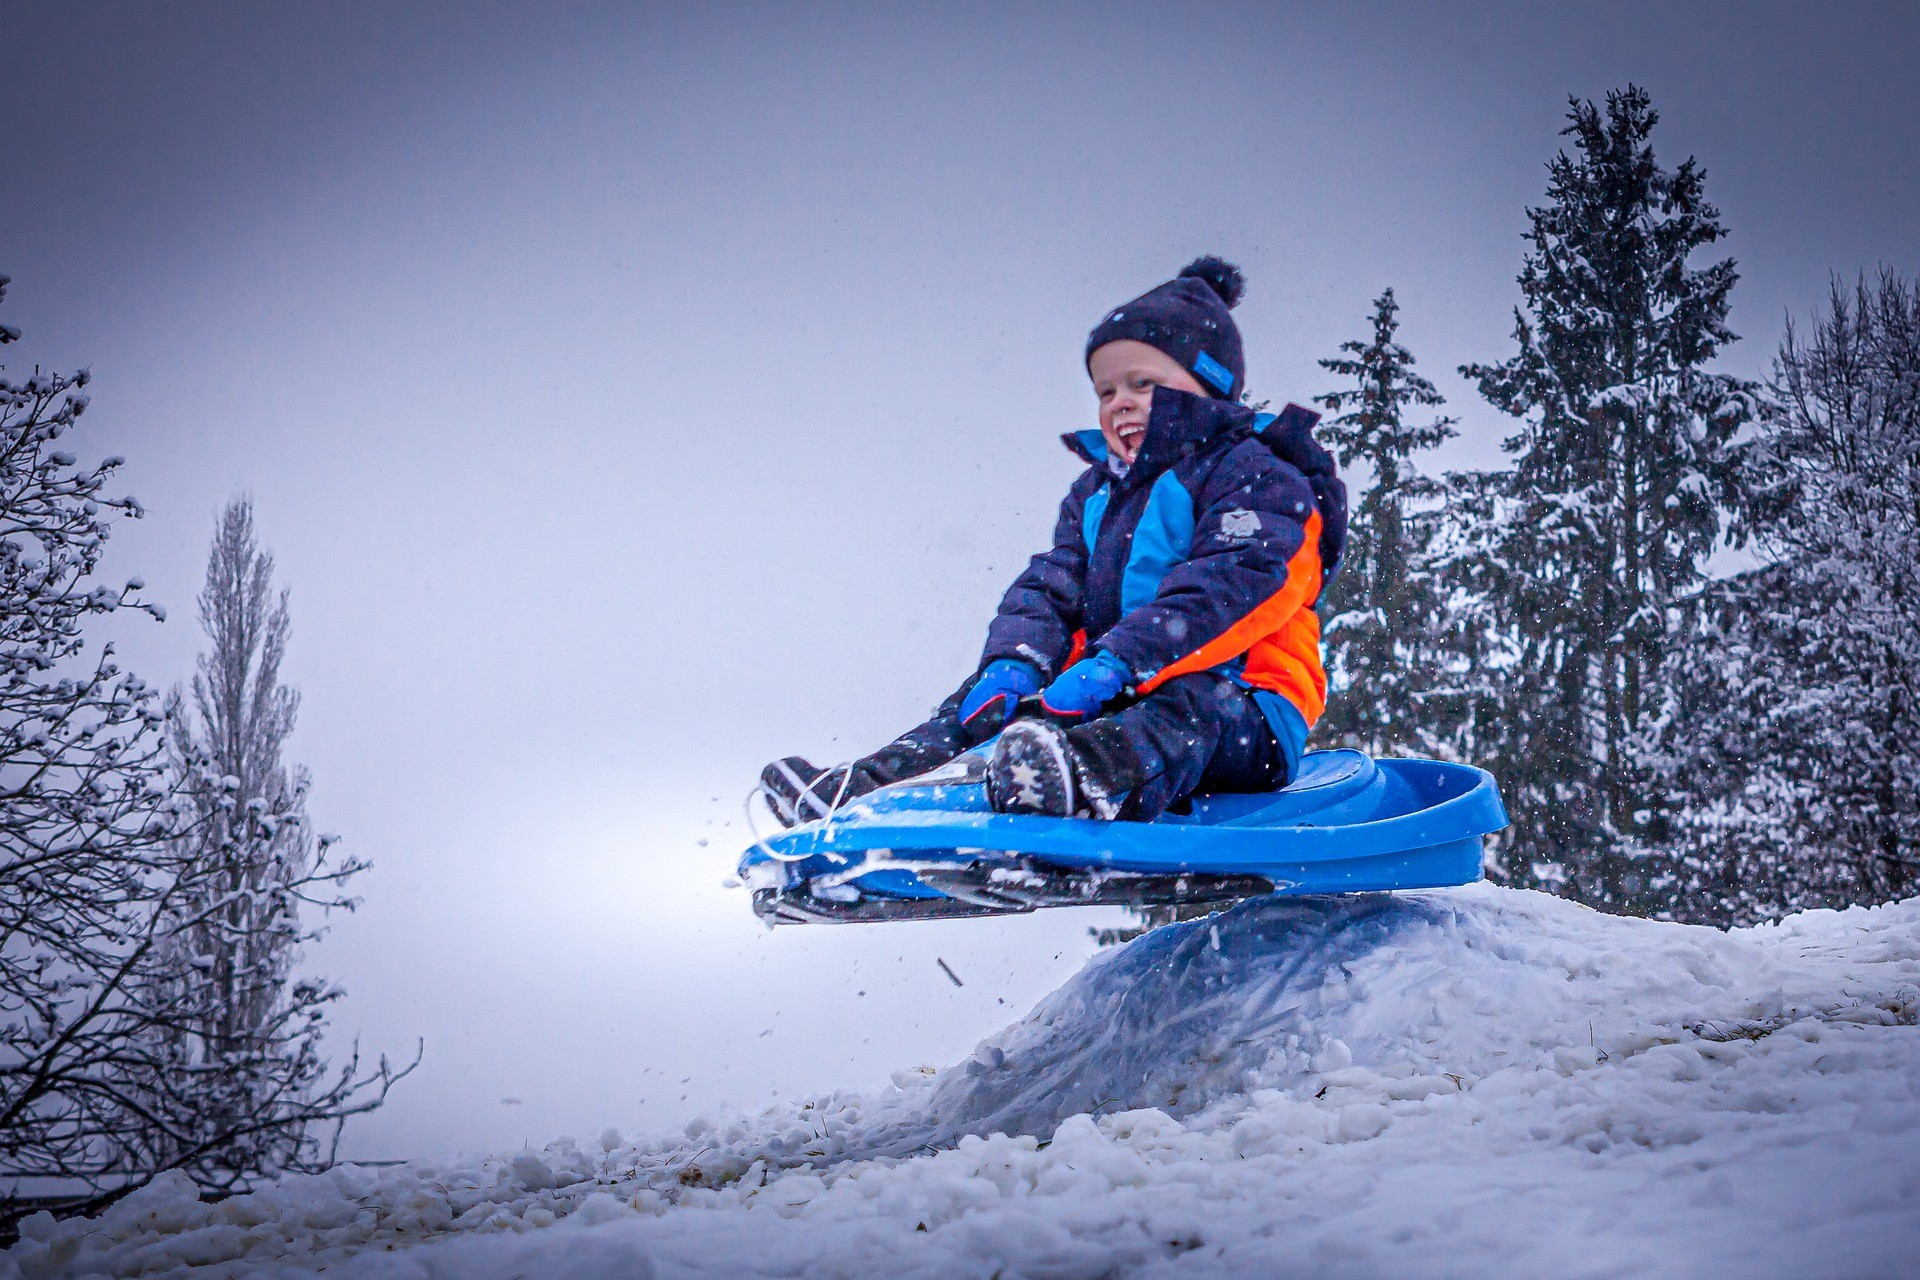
x: 1389, y: 995
x: 1468, y: 1082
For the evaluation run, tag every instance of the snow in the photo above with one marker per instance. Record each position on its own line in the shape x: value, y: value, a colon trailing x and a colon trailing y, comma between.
x: 1461, y: 1083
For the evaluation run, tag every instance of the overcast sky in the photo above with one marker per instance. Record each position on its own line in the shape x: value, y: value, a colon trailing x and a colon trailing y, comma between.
x: 634, y: 394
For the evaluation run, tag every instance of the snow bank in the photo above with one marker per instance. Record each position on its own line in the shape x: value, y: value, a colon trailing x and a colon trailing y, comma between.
x: 1469, y: 1082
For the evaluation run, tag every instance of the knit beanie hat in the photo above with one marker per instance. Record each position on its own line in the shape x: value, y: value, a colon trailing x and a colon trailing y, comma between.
x: 1188, y: 317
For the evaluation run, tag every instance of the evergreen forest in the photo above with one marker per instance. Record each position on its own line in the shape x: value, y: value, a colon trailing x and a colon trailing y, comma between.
x: 1673, y: 739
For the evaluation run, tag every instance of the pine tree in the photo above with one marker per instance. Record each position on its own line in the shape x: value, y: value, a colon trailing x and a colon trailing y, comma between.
x: 1611, y: 505
x: 1388, y: 658
x: 1792, y: 735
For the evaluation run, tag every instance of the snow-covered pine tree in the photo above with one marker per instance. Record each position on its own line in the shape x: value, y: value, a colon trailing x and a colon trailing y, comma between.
x: 1390, y: 662
x: 1612, y: 502
x: 1792, y: 735
x: 249, y: 1025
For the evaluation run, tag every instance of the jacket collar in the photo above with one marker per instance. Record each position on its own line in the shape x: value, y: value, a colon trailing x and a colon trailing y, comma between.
x: 1178, y: 423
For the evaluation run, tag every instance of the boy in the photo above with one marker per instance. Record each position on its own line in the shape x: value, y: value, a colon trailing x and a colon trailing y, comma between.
x: 1169, y: 633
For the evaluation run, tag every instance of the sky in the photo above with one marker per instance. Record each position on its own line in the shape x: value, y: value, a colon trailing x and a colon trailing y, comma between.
x: 634, y: 394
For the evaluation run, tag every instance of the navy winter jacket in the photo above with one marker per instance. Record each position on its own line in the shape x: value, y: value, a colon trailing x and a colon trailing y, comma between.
x: 1209, y: 553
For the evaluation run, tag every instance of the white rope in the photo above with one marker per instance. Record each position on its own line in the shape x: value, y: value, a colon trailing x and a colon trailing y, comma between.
x: 760, y: 841
x: 805, y: 791
x: 846, y: 780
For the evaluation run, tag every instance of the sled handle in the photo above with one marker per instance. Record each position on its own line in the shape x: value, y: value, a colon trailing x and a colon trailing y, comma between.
x: 1033, y: 707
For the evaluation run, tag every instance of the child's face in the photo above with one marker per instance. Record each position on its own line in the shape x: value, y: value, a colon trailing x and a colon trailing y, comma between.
x: 1124, y: 375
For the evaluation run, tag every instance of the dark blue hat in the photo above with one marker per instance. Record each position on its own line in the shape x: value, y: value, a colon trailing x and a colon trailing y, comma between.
x: 1189, y: 318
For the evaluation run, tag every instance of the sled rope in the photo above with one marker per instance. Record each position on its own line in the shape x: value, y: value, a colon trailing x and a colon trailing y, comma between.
x: 805, y: 790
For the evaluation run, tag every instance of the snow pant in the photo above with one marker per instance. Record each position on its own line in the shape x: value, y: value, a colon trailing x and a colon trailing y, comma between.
x: 1196, y: 733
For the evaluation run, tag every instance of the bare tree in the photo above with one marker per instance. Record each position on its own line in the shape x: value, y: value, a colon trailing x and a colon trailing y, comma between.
x: 86, y: 814
x: 100, y: 882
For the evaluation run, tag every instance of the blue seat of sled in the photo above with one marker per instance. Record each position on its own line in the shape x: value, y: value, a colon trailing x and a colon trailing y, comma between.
x: 1347, y: 823
x: 1330, y: 783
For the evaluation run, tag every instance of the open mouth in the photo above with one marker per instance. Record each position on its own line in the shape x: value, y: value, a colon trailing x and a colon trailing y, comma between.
x: 1130, y: 437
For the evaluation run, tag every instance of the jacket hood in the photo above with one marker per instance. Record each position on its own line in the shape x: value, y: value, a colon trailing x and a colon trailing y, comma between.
x: 1178, y: 421
x: 1289, y: 434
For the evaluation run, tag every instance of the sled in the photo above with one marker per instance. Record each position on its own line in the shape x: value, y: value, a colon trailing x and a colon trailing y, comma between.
x: 931, y: 848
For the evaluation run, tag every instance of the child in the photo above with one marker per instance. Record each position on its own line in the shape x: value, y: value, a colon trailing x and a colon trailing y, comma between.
x: 1170, y: 632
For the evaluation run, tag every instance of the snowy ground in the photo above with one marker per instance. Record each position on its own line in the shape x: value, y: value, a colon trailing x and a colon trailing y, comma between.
x: 1466, y: 1083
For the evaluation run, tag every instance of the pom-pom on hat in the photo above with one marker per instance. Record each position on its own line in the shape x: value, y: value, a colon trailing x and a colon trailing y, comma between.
x: 1189, y: 318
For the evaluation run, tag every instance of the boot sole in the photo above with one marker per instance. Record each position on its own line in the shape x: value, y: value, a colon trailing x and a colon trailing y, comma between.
x: 1017, y: 785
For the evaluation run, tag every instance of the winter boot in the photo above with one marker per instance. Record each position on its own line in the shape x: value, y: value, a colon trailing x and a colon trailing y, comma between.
x: 1038, y: 767
x: 1106, y: 768
x: 797, y: 792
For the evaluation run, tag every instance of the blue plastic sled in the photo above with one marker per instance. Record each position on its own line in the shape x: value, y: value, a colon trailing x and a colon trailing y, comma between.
x: 930, y: 847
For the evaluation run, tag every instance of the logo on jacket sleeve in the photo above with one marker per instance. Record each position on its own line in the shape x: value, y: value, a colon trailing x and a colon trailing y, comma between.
x: 1239, y: 524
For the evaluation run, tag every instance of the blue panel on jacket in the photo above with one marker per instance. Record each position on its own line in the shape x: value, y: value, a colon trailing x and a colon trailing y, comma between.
x: 1092, y: 514
x: 1288, y: 725
x: 1162, y: 539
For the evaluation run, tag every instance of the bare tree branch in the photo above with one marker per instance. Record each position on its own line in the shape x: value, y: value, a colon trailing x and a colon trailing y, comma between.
x: 152, y: 871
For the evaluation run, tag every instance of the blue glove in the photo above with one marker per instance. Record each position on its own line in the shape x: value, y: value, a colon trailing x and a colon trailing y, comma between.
x: 990, y: 703
x: 1086, y: 686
